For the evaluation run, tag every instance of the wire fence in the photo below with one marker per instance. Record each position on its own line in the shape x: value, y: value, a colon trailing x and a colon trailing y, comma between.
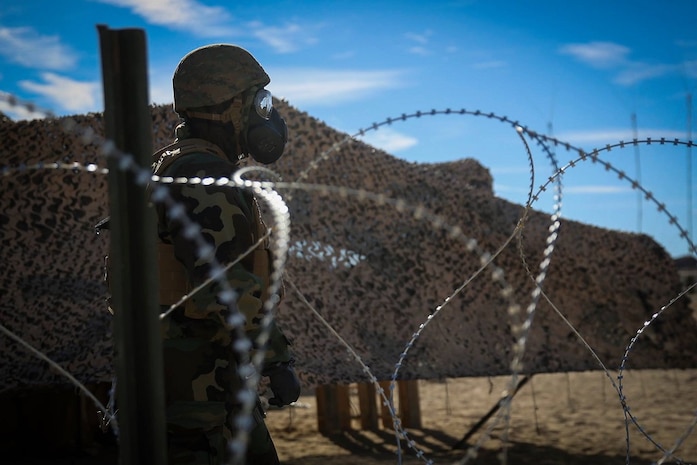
x: 278, y: 196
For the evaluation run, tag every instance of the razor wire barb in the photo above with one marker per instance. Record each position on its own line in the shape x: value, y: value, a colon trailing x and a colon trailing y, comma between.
x: 267, y: 191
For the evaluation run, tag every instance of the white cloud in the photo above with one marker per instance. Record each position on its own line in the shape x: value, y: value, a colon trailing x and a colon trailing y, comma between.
x: 421, y: 40
x: 418, y: 50
x: 215, y: 21
x: 609, y: 55
x: 16, y: 110
x: 598, y: 54
x: 67, y: 94
x: 286, y: 39
x: 389, y: 140
x: 328, y: 87
x: 74, y: 97
x: 188, y: 15
x: 23, y: 45
x: 637, y: 72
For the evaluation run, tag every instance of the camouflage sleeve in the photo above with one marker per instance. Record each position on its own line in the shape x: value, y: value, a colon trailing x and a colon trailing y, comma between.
x: 225, y: 216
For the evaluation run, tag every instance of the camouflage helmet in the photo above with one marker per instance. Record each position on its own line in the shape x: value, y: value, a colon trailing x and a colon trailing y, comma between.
x: 214, y: 74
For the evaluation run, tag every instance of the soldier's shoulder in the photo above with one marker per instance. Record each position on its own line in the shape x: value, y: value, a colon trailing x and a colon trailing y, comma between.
x: 189, y: 154
x: 192, y: 163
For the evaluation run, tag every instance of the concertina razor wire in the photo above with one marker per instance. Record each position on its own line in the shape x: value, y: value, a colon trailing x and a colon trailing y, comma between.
x: 267, y: 190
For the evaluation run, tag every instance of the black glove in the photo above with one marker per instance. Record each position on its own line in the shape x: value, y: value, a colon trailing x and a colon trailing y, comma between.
x: 285, y: 384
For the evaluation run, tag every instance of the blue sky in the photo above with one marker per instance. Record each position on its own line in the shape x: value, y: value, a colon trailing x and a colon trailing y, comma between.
x: 580, y: 71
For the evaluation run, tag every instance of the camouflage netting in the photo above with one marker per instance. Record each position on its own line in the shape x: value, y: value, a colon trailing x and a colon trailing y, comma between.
x: 372, y: 271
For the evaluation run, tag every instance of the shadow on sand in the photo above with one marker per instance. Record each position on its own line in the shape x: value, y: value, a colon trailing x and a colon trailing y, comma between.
x: 365, y: 450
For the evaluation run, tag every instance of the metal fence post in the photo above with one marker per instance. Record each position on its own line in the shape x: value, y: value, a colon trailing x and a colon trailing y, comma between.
x: 133, y: 277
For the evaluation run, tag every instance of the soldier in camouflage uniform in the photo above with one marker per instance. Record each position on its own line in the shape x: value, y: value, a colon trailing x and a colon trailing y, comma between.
x: 226, y: 115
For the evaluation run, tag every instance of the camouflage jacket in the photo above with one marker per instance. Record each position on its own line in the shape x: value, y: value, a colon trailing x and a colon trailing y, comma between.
x: 231, y: 223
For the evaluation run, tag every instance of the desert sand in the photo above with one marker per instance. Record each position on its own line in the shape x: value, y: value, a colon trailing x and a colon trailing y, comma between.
x: 560, y: 419
x: 573, y: 418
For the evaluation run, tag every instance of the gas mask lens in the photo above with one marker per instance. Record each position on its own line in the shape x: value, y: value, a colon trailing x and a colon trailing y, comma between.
x: 263, y: 103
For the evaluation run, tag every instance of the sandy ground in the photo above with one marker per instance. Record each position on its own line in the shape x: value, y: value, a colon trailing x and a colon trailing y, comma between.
x: 568, y: 419
x: 571, y: 419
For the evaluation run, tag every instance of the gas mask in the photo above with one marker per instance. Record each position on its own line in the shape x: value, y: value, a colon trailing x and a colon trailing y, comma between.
x: 266, y: 134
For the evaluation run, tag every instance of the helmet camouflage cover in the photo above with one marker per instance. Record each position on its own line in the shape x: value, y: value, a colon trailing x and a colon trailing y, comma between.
x: 214, y: 74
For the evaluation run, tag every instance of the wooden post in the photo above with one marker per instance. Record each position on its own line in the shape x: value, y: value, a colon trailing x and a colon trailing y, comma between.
x: 407, y: 405
x: 409, y: 408
x: 333, y: 408
x: 385, y: 415
x: 368, y: 408
x: 133, y: 277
